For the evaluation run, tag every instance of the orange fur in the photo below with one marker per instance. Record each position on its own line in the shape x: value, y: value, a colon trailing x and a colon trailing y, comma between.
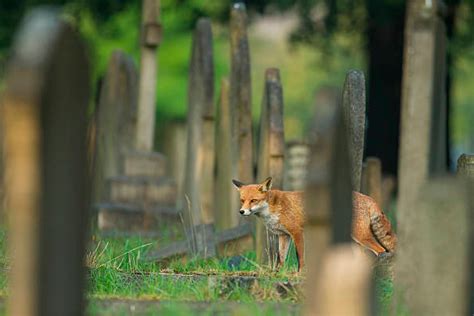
x: 283, y: 214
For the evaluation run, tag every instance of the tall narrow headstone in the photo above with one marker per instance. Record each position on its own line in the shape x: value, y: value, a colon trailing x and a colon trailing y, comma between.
x: 240, y: 94
x: 420, y: 142
x: 353, y: 103
x: 44, y: 121
x: 270, y: 156
x: 150, y: 37
x: 199, y: 175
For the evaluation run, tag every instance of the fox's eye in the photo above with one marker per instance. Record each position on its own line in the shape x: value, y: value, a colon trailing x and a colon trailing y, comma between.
x: 253, y: 201
x: 242, y: 201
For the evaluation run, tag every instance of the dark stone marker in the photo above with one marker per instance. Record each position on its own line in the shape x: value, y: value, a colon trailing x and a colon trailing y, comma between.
x: 44, y: 120
x: 270, y: 156
x: 199, y: 175
x: 353, y: 103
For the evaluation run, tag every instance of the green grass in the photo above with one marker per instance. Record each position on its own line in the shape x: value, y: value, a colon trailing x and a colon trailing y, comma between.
x: 119, y: 279
x: 117, y: 269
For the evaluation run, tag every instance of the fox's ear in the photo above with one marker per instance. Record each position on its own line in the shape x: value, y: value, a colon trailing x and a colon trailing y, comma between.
x: 266, y: 185
x: 237, y: 184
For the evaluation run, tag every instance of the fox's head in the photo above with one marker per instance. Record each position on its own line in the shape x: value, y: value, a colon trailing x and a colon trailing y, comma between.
x: 253, y: 196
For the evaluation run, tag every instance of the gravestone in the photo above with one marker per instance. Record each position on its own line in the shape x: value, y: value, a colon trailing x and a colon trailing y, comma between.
x: 44, y: 121
x: 353, y: 104
x: 240, y: 94
x: 199, y: 175
x: 116, y: 118
x: 422, y: 140
x: 270, y: 157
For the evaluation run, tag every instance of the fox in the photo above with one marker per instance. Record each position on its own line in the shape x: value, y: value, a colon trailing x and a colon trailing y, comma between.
x: 283, y: 214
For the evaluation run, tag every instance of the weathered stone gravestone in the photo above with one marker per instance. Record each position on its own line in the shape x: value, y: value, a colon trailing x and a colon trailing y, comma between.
x: 270, y: 157
x: 240, y: 94
x: 115, y: 120
x: 422, y: 129
x: 44, y: 121
x: 199, y: 175
x: 338, y: 279
x: 353, y: 104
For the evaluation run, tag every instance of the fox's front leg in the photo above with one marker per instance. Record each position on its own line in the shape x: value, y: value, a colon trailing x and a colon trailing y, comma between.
x: 283, y: 245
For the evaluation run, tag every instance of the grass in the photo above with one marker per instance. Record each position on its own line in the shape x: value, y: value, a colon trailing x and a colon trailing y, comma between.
x: 117, y: 269
x: 121, y: 282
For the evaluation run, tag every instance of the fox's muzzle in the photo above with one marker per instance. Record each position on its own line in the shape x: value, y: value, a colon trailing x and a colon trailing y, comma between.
x: 245, y: 212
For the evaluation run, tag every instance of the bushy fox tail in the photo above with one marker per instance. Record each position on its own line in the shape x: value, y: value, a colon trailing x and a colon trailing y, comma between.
x: 383, y: 232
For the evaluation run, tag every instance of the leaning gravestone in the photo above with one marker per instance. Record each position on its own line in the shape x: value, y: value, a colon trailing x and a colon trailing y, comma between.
x: 44, y: 120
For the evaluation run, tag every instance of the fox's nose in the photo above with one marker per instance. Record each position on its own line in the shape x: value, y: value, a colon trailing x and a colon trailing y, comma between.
x: 242, y: 211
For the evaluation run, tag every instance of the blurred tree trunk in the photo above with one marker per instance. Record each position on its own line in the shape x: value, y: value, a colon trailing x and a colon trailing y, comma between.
x: 386, y: 23
x: 385, y: 57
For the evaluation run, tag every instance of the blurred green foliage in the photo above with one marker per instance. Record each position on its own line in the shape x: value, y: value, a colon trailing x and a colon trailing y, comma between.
x: 329, y: 38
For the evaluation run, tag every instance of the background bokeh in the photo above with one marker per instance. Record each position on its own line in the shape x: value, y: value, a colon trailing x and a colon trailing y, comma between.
x: 313, y: 42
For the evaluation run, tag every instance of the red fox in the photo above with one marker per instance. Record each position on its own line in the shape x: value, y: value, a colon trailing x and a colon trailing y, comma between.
x: 283, y: 214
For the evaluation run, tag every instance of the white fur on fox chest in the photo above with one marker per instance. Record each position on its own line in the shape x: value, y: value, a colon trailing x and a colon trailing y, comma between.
x: 271, y: 220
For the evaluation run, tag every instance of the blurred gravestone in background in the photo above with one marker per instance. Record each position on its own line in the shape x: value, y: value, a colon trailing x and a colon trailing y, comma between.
x: 44, y: 121
x: 116, y: 119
